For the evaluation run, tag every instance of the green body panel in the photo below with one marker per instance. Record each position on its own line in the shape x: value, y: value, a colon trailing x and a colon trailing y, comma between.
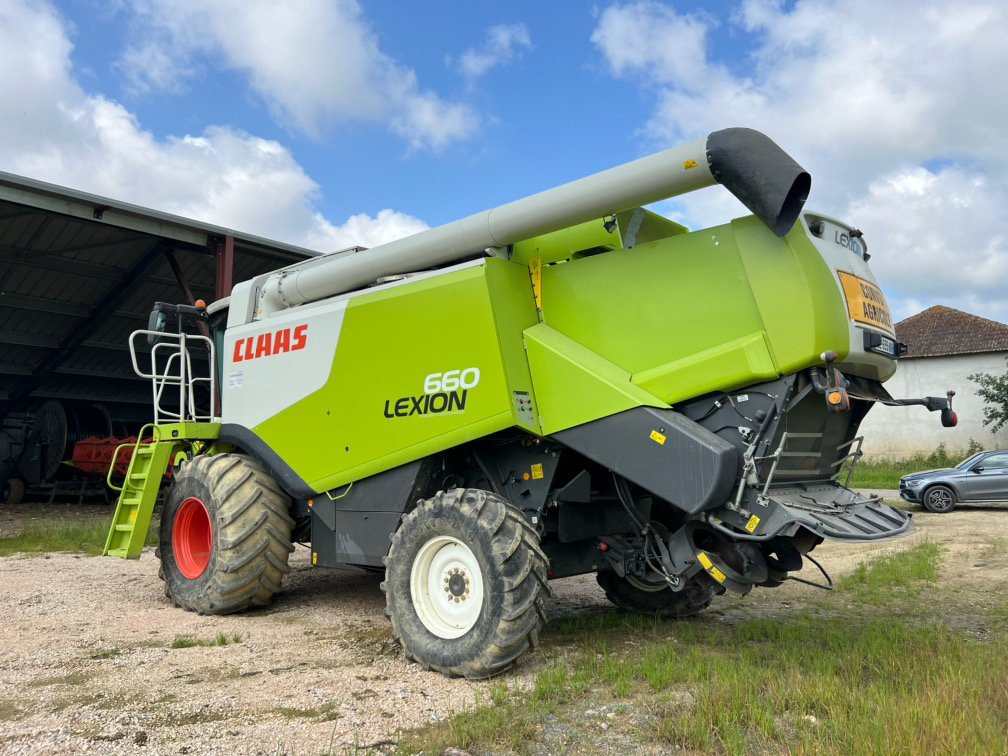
x: 596, y: 235
x: 686, y: 315
x: 143, y: 480
x: 573, y: 383
x: 390, y: 342
x: 747, y: 357
x: 675, y: 316
x: 796, y: 292
x: 514, y: 311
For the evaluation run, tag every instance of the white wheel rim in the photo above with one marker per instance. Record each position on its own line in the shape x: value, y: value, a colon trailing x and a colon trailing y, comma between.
x: 644, y: 585
x: 447, y: 587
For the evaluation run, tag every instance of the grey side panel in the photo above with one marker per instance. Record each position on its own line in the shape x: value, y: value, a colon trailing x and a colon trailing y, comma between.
x: 359, y: 538
x: 693, y: 468
x: 354, y: 527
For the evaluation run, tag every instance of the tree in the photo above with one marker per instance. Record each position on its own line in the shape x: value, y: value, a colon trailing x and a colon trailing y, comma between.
x: 994, y: 391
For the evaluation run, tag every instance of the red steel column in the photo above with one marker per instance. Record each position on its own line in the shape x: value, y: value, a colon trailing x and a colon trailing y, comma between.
x: 224, y: 250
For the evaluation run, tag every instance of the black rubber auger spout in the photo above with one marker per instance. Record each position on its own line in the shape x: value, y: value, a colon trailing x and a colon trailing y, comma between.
x: 767, y: 180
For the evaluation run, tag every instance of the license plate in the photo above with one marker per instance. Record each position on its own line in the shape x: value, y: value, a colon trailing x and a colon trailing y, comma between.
x: 865, y: 302
x: 885, y: 346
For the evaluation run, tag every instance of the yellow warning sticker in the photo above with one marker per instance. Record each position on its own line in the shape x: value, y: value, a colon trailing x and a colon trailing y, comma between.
x: 537, y: 472
x: 657, y: 437
x: 687, y: 164
x: 314, y: 557
x: 535, y: 272
x: 709, y: 566
x: 753, y: 522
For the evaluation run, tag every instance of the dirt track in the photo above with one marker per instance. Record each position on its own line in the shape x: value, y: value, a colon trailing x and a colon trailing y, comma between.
x: 86, y: 662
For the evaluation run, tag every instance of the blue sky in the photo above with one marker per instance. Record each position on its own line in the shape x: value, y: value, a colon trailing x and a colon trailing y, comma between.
x: 331, y: 122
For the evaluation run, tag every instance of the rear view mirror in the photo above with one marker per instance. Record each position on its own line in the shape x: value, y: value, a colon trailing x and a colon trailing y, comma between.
x: 978, y: 469
x: 156, y: 321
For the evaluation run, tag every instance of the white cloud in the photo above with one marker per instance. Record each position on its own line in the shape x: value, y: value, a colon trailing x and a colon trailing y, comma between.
x: 51, y: 129
x: 918, y: 258
x: 870, y: 97
x: 503, y: 43
x: 316, y: 64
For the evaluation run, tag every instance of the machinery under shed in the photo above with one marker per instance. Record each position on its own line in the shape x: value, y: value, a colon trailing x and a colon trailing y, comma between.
x: 78, y: 273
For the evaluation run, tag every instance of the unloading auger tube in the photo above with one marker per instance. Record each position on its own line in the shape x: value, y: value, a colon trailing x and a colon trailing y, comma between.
x: 746, y: 162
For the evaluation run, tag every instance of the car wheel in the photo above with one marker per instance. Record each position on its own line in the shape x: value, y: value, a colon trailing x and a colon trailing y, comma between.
x: 939, y: 499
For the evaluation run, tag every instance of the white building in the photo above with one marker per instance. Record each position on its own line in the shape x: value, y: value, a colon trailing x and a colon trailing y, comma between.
x: 945, y: 346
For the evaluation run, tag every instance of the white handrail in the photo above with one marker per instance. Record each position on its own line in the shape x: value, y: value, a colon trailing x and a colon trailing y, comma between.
x: 175, y: 349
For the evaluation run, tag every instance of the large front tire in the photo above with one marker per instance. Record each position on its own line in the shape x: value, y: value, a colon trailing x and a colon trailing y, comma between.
x: 655, y: 599
x: 225, y: 535
x: 465, y: 581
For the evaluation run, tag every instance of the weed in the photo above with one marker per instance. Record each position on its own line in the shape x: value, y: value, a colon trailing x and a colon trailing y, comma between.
x: 71, y: 678
x: 324, y: 713
x: 884, y: 578
x: 9, y: 711
x: 801, y: 683
x: 882, y: 473
x: 85, y: 536
x: 221, y: 639
x: 106, y: 653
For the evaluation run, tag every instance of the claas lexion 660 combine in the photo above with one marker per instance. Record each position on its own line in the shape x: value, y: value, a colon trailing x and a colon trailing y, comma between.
x: 565, y: 384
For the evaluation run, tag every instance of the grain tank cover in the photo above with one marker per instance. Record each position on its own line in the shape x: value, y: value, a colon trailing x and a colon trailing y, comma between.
x: 747, y: 163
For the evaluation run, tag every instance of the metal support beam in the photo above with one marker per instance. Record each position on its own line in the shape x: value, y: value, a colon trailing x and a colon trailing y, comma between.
x: 184, y: 285
x: 223, y: 249
x: 41, y: 304
x: 19, y: 338
x: 13, y: 256
x: 103, y: 309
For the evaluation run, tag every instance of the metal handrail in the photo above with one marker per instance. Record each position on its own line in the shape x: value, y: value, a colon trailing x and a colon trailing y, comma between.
x: 174, y: 348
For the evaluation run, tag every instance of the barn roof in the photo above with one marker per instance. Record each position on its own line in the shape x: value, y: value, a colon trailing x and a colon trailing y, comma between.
x: 80, y: 272
x: 942, y: 331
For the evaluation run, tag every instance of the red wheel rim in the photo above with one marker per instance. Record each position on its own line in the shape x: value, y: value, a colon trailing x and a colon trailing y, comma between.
x: 191, y: 538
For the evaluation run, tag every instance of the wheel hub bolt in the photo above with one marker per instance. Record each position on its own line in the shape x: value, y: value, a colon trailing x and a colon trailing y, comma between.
x: 457, y: 585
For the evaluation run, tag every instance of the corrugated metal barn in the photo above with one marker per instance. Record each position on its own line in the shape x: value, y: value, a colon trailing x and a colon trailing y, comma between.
x: 78, y: 274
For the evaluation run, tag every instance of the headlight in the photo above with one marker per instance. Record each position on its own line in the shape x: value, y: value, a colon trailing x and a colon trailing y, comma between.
x: 915, y: 483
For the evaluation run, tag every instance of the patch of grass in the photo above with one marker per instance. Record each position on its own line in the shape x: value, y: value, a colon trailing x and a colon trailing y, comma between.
x: 81, y: 535
x: 805, y: 683
x: 72, y: 678
x: 221, y: 639
x: 506, y: 720
x: 324, y: 713
x: 887, y: 473
x: 106, y: 653
x: 883, y: 579
x: 9, y: 711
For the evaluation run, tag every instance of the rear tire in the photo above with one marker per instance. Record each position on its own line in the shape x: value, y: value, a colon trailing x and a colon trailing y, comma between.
x: 655, y: 599
x: 465, y: 545
x: 225, y: 535
x: 939, y: 499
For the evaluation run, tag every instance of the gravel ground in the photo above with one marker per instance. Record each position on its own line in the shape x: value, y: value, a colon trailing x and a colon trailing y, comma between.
x: 87, y: 664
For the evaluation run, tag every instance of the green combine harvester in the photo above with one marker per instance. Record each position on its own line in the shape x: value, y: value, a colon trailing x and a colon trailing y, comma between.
x: 565, y: 384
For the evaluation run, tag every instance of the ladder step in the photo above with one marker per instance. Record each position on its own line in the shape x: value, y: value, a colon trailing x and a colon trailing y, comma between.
x: 124, y: 528
x: 117, y: 552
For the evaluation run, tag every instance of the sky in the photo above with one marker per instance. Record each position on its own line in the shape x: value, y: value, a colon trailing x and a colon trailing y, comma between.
x: 328, y: 123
